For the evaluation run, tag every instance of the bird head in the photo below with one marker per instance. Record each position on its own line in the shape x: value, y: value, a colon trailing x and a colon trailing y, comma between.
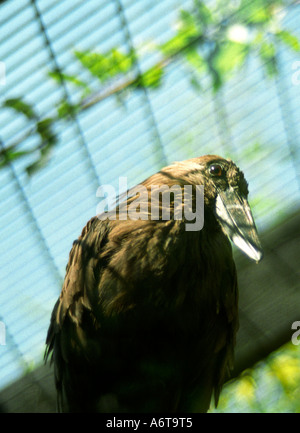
x: 226, y: 193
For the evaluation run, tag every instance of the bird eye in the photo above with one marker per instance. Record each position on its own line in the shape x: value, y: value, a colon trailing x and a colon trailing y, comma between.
x: 216, y: 170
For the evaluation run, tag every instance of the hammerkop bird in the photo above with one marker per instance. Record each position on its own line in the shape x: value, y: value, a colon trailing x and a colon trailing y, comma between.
x: 147, y: 317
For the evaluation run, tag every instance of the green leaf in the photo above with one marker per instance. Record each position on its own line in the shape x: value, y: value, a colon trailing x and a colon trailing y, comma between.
x: 204, y: 13
x: 195, y: 60
x: 9, y: 155
x: 151, y: 78
x: 195, y: 83
x: 216, y: 77
x: 188, y: 23
x: 267, y: 50
x: 106, y: 66
x: 289, y: 39
x: 59, y: 76
x: 36, y: 166
x: 15, y: 155
x: 48, y: 140
x: 255, y: 11
x: 40, y: 162
x: 189, y: 31
x: 65, y: 109
x: 122, y: 63
x: 45, y: 130
x: 267, y: 53
x: 173, y: 45
x: 21, y: 107
x: 96, y: 63
x: 230, y: 56
x: 217, y: 80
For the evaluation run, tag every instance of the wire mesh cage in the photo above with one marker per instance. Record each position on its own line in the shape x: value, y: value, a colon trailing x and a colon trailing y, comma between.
x: 95, y: 90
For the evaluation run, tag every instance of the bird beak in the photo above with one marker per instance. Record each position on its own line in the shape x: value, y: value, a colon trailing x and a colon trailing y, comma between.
x: 234, y: 215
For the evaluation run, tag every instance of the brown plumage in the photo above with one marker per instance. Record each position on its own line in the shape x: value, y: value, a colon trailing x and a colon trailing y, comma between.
x: 148, y: 313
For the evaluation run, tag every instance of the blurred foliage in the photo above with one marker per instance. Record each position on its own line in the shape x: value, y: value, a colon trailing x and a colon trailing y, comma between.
x: 213, y: 41
x: 272, y: 386
x: 41, y: 127
x: 108, y: 65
